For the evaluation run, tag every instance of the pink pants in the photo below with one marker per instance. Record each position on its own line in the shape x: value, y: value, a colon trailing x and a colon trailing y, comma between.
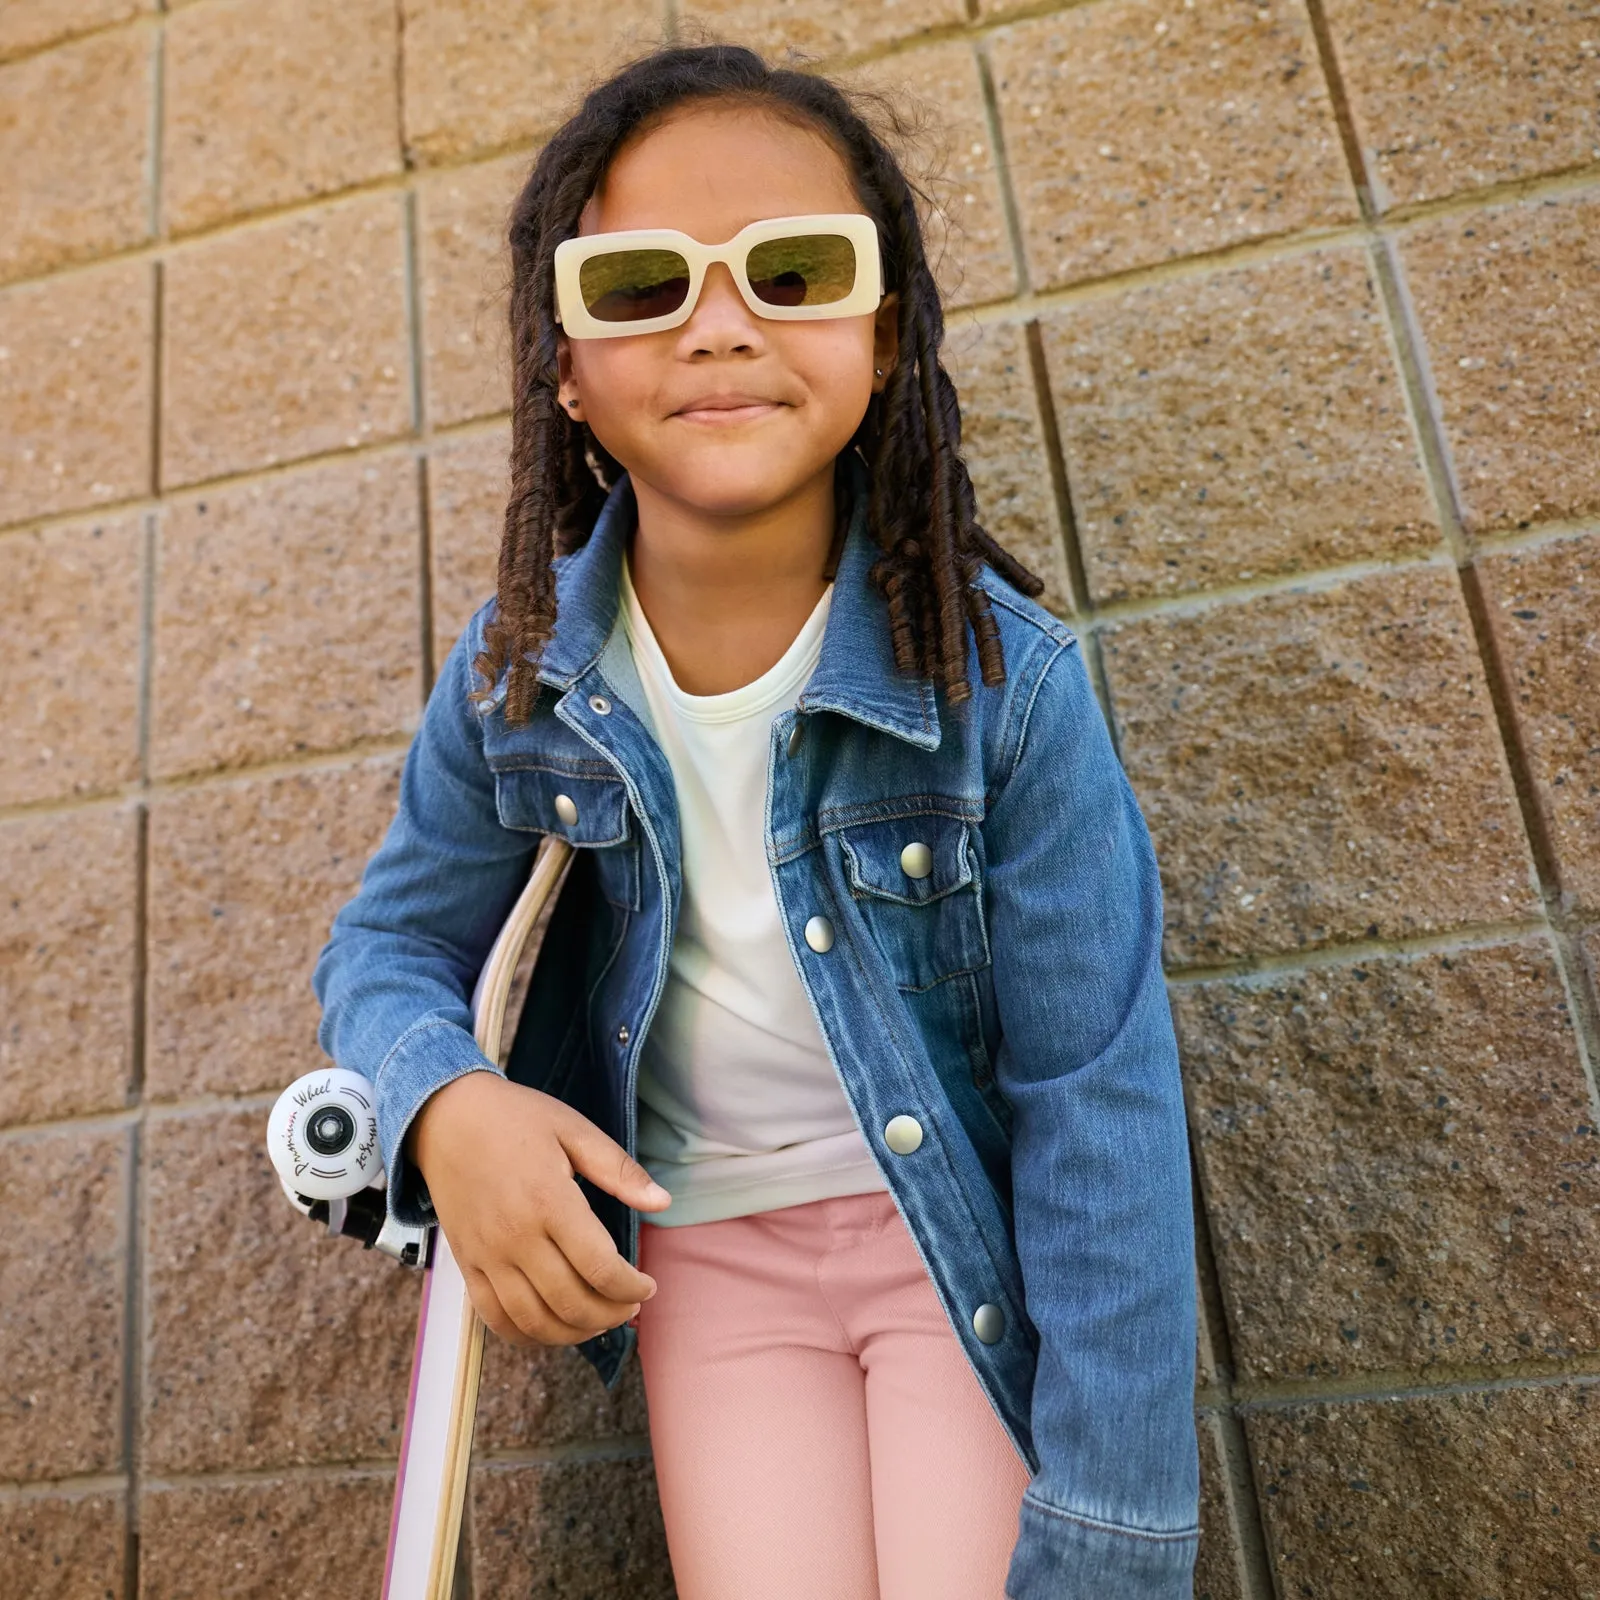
x: 816, y: 1428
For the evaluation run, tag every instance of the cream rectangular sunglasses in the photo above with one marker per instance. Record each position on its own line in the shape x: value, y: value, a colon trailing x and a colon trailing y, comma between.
x: 642, y: 280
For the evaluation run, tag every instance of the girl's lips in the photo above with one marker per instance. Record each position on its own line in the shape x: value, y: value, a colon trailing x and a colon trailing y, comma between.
x: 721, y: 416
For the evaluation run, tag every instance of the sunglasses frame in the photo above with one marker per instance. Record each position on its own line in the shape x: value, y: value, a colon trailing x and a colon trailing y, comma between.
x: 865, y: 295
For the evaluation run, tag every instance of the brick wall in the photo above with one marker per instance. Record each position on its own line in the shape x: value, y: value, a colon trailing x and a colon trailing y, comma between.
x: 1277, y: 337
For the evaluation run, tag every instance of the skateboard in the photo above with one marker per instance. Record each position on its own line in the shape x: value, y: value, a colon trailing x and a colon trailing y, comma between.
x: 322, y: 1136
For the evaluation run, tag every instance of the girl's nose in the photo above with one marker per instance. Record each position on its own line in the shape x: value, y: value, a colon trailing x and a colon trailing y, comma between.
x: 721, y: 321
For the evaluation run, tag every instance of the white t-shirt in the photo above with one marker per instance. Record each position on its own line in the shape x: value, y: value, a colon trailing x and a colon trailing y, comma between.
x: 740, y: 1109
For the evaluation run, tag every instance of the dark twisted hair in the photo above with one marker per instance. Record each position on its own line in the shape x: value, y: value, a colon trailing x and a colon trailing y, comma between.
x: 922, y: 512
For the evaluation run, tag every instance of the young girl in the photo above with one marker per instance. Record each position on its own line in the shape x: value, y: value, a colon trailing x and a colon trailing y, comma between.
x: 858, y: 959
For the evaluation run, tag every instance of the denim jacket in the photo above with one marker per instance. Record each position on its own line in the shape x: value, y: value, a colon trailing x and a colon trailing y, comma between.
x: 1006, y: 1011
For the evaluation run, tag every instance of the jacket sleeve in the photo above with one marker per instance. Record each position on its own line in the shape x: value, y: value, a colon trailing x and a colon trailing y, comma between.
x: 396, y: 976
x: 1100, y: 1166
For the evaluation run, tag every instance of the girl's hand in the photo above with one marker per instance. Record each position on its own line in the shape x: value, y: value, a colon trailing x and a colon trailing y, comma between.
x: 499, y: 1160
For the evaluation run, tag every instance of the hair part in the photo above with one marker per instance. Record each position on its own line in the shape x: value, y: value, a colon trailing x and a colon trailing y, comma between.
x: 922, y: 512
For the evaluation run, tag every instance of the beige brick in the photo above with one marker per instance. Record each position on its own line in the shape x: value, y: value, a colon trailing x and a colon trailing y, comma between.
x: 66, y: 962
x: 75, y: 127
x: 287, y: 615
x: 1455, y: 96
x: 1544, y: 607
x: 1317, y: 767
x: 469, y: 480
x: 547, y: 1397
x: 245, y: 879
x: 1217, y: 1566
x: 1002, y: 438
x: 1400, y: 1161
x: 1139, y: 130
x: 949, y: 155
x: 268, y: 102
x: 269, y: 1341
x: 79, y: 589
x: 42, y: 22
x: 1509, y: 303
x: 1240, y: 426
x: 266, y: 1540
x: 75, y: 390
x: 590, y: 1528
x: 1488, y: 1492
x: 62, y: 1256
x: 287, y: 339
x: 483, y: 74
x: 463, y: 222
x: 819, y: 28
x: 64, y: 1546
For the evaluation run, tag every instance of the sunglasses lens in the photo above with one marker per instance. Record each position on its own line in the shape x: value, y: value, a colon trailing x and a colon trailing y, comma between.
x: 633, y: 285
x: 807, y: 269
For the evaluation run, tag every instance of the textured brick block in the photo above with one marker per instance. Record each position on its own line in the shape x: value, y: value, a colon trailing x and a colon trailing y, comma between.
x: 1400, y: 1160
x: 820, y: 28
x: 78, y: 587
x: 287, y: 615
x: 267, y: 102
x: 245, y: 879
x: 463, y: 220
x: 1216, y: 1568
x: 1139, y: 130
x: 269, y: 1342
x: 1486, y: 1493
x: 1509, y: 302
x: 286, y: 340
x: 1239, y: 426
x: 266, y: 1540
x: 64, y: 1547
x: 1454, y: 96
x: 62, y: 1257
x: 75, y: 125
x: 1318, y: 767
x: 75, y: 390
x: 546, y: 1397
x: 482, y: 74
x: 42, y: 22
x: 590, y: 1528
x: 469, y: 480
x: 1544, y: 608
x: 1002, y: 438
x: 949, y: 155
x: 66, y: 963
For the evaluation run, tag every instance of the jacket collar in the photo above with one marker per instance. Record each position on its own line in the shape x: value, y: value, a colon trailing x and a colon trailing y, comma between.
x: 855, y: 674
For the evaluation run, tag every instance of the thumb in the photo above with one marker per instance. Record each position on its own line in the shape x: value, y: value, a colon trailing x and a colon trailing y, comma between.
x: 594, y: 1153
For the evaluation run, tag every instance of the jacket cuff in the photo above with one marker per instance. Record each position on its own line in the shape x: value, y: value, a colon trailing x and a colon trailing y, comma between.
x: 427, y: 1056
x: 1062, y: 1556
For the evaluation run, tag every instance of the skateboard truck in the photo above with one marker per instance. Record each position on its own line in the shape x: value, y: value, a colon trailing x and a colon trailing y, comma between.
x: 323, y: 1140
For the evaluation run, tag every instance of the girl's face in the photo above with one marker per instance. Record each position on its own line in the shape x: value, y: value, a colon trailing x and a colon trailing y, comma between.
x: 708, y: 170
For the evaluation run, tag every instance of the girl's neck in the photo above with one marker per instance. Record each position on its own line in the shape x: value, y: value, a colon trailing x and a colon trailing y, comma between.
x: 725, y: 596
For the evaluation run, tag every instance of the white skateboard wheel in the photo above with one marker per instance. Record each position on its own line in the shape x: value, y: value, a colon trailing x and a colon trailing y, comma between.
x: 323, y: 1135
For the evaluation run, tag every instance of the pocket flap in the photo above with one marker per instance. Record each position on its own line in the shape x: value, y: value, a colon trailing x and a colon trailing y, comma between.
x: 910, y: 859
x: 594, y: 810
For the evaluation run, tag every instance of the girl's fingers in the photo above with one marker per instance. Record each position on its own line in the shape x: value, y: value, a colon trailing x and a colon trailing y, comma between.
x: 590, y: 1252
x: 565, y: 1293
x: 491, y: 1312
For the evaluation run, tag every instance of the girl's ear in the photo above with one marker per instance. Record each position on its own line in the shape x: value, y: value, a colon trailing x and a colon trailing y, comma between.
x: 885, y: 340
x: 566, y: 380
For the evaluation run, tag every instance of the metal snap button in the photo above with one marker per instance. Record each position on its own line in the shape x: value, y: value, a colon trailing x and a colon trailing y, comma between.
x: 902, y: 1134
x: 600, y: 705
x: 566, y: 809
x: 796, y: 735
x: 916, y: 860
x: 819, y: 935
x: 989, y: 1323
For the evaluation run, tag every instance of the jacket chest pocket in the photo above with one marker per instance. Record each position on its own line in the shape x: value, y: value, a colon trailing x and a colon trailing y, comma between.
x: 589, y: 808
x: 914, y: 883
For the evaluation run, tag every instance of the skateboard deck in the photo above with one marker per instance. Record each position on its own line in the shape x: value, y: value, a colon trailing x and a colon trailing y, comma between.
x: 322, y: 1137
